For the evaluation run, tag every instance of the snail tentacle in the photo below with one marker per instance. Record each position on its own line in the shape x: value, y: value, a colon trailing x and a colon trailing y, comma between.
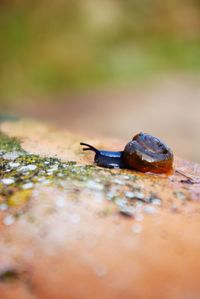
x: 89, y: 147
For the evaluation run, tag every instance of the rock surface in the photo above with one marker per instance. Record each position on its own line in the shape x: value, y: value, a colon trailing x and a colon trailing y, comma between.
x: 72, y: 230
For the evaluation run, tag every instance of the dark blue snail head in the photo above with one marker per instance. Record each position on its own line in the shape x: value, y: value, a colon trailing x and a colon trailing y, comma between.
x: 103, y: 158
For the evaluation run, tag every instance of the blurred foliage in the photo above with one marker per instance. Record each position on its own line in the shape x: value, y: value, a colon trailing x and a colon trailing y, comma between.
x: 48, y: 46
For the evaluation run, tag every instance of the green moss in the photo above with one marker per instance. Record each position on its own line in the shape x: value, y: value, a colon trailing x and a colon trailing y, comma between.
x: 9, y: 144
x: 23, y: 171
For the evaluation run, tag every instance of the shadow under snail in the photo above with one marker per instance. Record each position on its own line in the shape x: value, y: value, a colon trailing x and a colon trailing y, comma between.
x: 144, y: 153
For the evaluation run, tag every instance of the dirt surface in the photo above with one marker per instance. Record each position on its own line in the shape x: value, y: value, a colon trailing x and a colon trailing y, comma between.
x: 74, y: 242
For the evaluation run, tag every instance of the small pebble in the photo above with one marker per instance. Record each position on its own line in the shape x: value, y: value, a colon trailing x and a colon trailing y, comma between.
x: 180, y: 195
x: 53, y: 168
x: 121, y: 202
x: 12, y: 155
x: 3, y: 207
x: 126, y: 177
x: 94, y: 185
x: 31, y: 166
x: 139, y: 195
x: 156, y: 201
x: 150, y: 210
x: 41, y: 179
x: 8, y: 220
x: 1, y: 152
x: 111, y: 195
x: 125, y: 211
x: 13, y: 164
x: 50, y: 172
x: 137, y: 228
x: 130, y: 194
x: 27, y: 186
x: 8, y: 181
x: 26, y: 168
x: 119, y: 182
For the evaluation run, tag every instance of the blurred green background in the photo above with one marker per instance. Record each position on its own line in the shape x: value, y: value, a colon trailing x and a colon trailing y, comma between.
x: 116, y: 66
x: 49, y: 46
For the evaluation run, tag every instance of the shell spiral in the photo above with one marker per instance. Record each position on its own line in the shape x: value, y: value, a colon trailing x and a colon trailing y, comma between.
x: 147, y: 153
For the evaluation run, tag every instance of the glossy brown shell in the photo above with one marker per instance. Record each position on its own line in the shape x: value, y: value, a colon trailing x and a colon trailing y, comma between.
x: 148, y: 154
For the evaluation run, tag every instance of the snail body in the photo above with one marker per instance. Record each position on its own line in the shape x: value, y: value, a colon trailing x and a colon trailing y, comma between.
x: 144, y: 153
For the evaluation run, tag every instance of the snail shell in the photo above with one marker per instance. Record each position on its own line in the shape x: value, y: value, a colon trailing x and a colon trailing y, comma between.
x: 147, y: 153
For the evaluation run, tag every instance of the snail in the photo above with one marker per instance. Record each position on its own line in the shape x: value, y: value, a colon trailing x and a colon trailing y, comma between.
x: 144, y: 153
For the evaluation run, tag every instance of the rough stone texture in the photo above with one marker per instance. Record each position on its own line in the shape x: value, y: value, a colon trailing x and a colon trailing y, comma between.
x: 77, y: 239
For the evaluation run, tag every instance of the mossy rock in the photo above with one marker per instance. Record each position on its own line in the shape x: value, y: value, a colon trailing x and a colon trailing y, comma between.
x: 118, y: 233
